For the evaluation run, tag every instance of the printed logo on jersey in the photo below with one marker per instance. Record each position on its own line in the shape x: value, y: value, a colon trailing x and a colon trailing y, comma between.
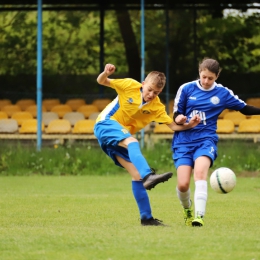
x: 130, y: 100
x: 193, y: 98
x: 125, y: 131
x: 201, y: 114
x: 214, y: 100
x: 146, y: 112
x: 211, y: 150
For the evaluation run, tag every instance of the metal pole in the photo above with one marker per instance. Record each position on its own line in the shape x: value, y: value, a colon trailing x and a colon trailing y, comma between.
x: 39, y: 75
x: 167, y: 58
x: 101, y: 45
x: 142, y: 57
x: 142, y: 41
x: 195, y: 40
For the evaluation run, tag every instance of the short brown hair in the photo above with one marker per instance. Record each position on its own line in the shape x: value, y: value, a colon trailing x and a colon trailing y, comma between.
x: 157, y: 78
x: 210, y: 64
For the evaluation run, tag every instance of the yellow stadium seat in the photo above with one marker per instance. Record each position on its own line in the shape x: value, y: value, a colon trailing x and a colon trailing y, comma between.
x: 21, y: 116
x: 150, y: 127
x: 75, y: 103
x: 58, y: 126
x: 24, y: 103
x: 235, y: 116
x: 33, y: 110
x: 225, y: 111
x: 74, y: 117
x: 253, y: 102
x: 8, y: 126
x: 48, y: 103
x: 48, y: 116
x: 249, y: 126
x: 3, y: 115
x: 162, y: 129
x: 255, y: 117
x: 4, y: 102
x: 85, y: 126
x: 225, y: 126
x: 29, y: 127
x: 10, y: 109
x: 61, y: 109
x: 101, y: 103
x: 94, y: 115
x: 87, y: 110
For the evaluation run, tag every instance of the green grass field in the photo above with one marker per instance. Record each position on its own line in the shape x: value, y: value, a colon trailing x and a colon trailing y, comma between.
x: 95, y: 217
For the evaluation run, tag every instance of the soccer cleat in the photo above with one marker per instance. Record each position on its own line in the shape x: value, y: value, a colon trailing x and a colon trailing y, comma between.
x: 152, y: 179
x: 152, y: 222
x: 188, y: 216
x: 198, y: 222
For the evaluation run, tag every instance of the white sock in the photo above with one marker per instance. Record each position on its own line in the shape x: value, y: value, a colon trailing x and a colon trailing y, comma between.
x: 200, y: 197
x: 184, y: 198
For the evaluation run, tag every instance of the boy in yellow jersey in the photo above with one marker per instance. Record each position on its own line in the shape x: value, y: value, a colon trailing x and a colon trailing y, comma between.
x: 136, y: 105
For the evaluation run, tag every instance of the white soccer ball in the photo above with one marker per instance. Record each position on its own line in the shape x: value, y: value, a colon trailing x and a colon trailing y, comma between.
x: 223, y: 180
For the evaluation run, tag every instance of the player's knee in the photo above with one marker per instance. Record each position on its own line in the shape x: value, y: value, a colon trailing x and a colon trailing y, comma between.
x: 183, y: 187
x: 130, y: 140
x: 200, y: 175
x: 127, y: 141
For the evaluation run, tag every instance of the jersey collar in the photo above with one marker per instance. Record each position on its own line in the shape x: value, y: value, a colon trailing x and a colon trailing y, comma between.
x: 209, y: 89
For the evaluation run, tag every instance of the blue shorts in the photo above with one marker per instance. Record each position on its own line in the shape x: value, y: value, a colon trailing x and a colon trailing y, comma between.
x: 109, y: 133
x: 188, y: 154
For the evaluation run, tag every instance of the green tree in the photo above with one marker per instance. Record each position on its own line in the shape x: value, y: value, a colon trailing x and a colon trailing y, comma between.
x: 233, y: 40
x: 17, y: 43
x: 71, y: 42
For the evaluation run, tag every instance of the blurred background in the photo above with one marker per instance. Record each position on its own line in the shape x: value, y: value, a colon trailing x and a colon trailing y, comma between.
x: 79, y: 38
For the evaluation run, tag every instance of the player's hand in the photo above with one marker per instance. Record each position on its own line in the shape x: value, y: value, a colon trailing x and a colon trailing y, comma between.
x: 195, y: 120
x: 180, y: 119
x: 109, y: 69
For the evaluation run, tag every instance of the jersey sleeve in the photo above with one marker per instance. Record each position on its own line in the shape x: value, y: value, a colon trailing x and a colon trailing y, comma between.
x: 180, y: 101
x: 120, y: 85
x: 233, y: 101
x: 162, y: 116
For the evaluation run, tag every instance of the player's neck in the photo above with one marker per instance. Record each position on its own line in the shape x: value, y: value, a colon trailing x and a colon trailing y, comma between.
x: 143, y: 101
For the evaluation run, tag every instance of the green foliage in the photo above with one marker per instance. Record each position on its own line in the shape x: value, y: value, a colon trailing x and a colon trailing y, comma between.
x: 96, y: 217
x: 85, y: 159
x: 17, y: 43
x: 88, y: 159
x: 71, y: 41
x: 238, y: 155
x: 237, y: 53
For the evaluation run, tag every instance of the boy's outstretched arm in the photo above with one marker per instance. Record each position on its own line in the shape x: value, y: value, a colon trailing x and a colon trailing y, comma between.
x: 102, y: 78
x: 195, y: 120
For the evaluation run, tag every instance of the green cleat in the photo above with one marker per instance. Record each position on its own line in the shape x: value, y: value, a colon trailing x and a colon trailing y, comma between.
x: 198, y: 222
x: 188, y: 216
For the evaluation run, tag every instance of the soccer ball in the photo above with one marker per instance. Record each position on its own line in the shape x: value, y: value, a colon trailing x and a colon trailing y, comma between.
x: 223, y: 180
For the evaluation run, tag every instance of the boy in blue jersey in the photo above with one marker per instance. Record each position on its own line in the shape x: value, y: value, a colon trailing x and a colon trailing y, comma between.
x: 196, y: 149
x: 136, y: 105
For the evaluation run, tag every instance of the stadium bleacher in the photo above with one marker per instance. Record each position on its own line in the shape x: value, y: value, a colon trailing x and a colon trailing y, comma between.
x: 77, y: 121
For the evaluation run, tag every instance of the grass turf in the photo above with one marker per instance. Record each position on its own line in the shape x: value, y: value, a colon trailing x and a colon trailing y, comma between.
x: 96, y: 217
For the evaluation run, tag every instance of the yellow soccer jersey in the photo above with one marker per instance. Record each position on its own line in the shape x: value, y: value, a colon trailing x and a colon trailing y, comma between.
x: 128, y: 108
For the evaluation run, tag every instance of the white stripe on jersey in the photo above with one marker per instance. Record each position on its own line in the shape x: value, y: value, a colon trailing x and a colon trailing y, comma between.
x: 177, y: 97
x: 108, y: 110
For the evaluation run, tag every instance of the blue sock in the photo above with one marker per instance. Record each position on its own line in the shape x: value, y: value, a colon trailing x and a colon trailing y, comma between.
x: 142, y: 199
x: 138, y: 159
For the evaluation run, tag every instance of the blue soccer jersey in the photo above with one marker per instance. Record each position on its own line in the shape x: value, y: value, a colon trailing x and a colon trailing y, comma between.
x: 192, y: 99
